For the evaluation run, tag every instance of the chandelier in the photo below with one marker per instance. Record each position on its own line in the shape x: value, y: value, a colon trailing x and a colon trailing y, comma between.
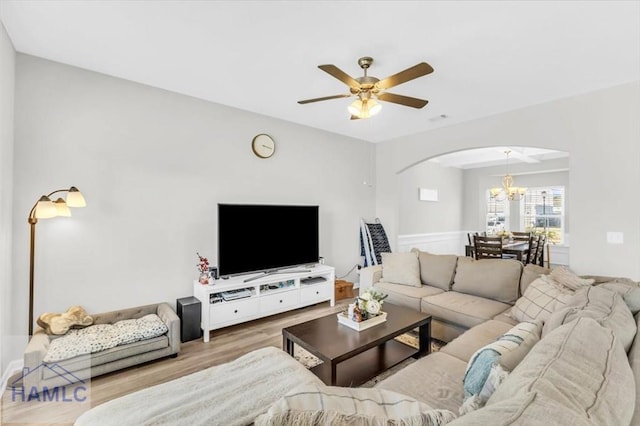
x: 508, y: 191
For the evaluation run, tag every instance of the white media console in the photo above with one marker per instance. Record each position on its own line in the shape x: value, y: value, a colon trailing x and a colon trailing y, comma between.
x: 234, y: 300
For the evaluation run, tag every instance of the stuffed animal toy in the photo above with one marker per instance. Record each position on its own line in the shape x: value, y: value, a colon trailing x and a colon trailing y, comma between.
x: 75, y: 317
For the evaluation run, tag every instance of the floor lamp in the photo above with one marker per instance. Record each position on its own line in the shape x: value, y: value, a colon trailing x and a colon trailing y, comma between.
x: 44, y: 208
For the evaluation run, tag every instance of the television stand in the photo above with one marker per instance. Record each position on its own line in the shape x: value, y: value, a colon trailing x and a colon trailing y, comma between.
x: 273, y: 272
x: 236, y: 300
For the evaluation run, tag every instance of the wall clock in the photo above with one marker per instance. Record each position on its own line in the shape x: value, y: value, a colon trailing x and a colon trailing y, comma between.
x: 263, y: 146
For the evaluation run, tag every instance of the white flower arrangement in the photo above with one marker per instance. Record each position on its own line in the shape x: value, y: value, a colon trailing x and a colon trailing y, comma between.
x: 370, y: 302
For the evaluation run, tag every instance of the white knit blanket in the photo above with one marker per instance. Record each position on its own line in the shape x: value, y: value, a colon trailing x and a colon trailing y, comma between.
x: 229, y: 394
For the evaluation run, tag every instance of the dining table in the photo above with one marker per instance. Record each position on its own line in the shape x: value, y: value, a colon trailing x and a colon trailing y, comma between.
x: 512, y: 248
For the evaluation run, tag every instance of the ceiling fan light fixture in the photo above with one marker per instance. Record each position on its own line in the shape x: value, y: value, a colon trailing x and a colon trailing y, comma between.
x: 364, y: 108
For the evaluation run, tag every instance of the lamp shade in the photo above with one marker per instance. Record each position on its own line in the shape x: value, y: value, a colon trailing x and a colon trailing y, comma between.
x: 355, y: 108
x: 364, y: 108
x: 75, y: 198
x: 45, y: 209
x: 374, y: 107
x: 61, y: 208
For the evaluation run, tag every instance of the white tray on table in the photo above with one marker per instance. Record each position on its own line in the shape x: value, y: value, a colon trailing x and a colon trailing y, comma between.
x: 363, y: 325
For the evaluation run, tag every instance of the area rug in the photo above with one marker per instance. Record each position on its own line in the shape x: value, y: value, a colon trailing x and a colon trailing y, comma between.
x: 411, y: 338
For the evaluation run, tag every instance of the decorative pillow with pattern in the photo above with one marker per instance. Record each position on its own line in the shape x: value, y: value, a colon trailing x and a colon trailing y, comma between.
x: 486, y: 369
x: 313, y: 404
x: 540, y: 300
x: 567, y: 278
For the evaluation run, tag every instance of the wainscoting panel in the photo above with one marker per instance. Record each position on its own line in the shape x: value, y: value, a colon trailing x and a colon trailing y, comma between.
x: 559, y: 255
x: 437, y: 242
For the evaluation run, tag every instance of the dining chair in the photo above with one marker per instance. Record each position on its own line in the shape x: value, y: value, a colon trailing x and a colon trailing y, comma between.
x: 539, y: 259
x: 487, y: 247
x: 534, y: 241
x: 521, y: 236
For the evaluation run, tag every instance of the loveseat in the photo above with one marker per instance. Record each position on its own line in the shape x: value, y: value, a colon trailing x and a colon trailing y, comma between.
x: 38, y: 373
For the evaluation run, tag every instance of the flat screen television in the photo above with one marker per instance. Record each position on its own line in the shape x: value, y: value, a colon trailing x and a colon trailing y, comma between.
x: 265, y: 238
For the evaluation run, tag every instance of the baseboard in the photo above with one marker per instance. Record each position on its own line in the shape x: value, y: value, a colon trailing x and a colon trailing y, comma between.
x: 13, y: 367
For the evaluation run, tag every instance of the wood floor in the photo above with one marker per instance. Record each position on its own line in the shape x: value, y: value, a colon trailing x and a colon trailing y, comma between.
x: 225, y: 344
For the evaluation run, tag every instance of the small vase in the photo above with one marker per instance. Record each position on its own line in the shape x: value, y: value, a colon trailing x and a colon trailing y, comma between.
x: 204, y: 278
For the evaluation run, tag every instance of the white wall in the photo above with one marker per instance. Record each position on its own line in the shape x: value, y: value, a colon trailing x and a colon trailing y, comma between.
x: 418, y: 217
x: 600, y: 130
x: 7, y: 82
x: 153, y: 165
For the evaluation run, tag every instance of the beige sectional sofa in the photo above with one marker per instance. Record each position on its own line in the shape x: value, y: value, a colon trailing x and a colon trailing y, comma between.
x: 38, y: 374
x: 578, y: 373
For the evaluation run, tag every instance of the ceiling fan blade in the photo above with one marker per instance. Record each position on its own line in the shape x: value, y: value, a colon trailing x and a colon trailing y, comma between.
x: 326, y: 98
x: 355, y: 117
x: 402, y: 100
x: 415, y: 71
x: 341, y: 75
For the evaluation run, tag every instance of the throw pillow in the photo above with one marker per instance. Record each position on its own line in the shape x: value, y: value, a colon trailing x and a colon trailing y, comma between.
x: 401, y: 268
x: 489, y: 365
x: 567, y: 278
x: 436, y: 270
x: 604, y: 306
x: 313, y: 404
x: 529, y: 274
x: 75, y: 317
x: 540, y: 300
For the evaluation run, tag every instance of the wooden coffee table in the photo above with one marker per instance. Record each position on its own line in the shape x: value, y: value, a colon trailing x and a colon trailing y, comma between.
x: 352, y: 357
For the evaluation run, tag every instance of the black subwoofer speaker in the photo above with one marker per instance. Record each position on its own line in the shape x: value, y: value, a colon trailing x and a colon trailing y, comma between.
x: 189, y: 311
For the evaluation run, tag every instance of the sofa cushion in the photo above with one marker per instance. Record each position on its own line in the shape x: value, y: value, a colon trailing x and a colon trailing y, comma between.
x: 634, y: 363
x: 530, y: 273
x: 99, y: 337
x: 506, y: 317
x: 93, y: 360
x: 314, y: 404
x: 463, y: 346
x: 526, y: 409
x: 406, y: 295
x: 401, y: 268
x: 604, y: 306
x: 435, y: 380
x: 540, y: 300
x: 583, y: 367
x: 629, y: 290
x: 437, y: 270
x: 462, y: 309
x: 495, y: 279
x: 566, y: 277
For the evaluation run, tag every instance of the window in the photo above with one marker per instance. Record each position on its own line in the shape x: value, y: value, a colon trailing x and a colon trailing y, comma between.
x: 497, y: 215
x: 542, y: 211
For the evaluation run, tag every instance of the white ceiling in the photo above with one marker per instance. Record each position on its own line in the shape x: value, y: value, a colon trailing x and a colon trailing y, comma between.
x: 489, y: 56
x: 496, y: 156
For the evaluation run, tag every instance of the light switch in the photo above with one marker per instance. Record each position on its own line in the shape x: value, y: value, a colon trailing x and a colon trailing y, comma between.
x: 615, y: 237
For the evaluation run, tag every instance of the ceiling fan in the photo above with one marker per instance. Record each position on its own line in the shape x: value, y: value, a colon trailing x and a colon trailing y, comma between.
x: 367, y: 88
